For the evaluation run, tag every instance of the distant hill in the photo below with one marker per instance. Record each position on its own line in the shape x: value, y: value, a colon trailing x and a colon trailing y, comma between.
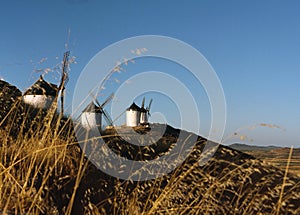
x: 245, y: 147
x: 277, y: 156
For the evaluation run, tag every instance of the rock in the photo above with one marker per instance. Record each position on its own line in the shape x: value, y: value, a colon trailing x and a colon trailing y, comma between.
x: 9, y: 96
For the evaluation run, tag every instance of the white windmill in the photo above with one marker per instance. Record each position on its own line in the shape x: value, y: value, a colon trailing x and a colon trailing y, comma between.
x: 41, y: 94
x: 91, y: 116
x: 145, y: 113
x: 133, y: 115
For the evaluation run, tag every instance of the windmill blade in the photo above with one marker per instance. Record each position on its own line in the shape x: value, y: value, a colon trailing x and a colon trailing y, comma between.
x: 107, y: 117
x: 149, y: 106
x: 95, y: 99
x: 97, y: 102
x: 107, y: 100
x: 143, y: 103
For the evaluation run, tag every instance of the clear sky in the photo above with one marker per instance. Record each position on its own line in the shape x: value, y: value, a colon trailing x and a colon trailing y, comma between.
x: 254, y: 47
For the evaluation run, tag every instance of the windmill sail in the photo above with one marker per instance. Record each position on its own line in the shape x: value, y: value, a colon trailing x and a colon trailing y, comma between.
x: 149, y: 106
x: 107, y: 118
x: 143, y: 103
x: 107, y: 100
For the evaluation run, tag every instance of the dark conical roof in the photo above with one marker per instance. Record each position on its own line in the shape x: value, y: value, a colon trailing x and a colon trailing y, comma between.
x: 134, y: 107
x: 92, y: 108
x: 42, y: 87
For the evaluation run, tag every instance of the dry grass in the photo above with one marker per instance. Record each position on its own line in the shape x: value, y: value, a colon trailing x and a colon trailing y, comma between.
x: 43, y: 171
x: 31, y: 159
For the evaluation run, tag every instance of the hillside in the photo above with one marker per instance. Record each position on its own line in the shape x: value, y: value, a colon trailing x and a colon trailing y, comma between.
x: 44, y: 171
x: 277, y: 156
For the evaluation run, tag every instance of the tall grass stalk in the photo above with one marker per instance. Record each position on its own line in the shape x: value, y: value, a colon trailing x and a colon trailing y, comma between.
x: 284, y: 180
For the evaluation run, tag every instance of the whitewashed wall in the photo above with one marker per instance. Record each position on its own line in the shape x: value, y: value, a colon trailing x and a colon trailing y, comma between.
x: 132, y: 118
x: 91, y: 120
x: 39, y: 101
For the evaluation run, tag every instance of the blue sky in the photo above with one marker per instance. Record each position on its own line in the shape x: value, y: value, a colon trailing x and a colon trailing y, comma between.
x: 254, y: 47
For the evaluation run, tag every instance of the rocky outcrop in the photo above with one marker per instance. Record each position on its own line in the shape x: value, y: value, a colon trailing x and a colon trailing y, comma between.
x: 9, y: 97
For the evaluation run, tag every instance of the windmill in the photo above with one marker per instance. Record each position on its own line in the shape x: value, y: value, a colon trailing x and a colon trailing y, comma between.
x: 41, y: 94
x: 91, y: 116
x: 133, y: 114
x: 145, y: 113
x: 107, y: 118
